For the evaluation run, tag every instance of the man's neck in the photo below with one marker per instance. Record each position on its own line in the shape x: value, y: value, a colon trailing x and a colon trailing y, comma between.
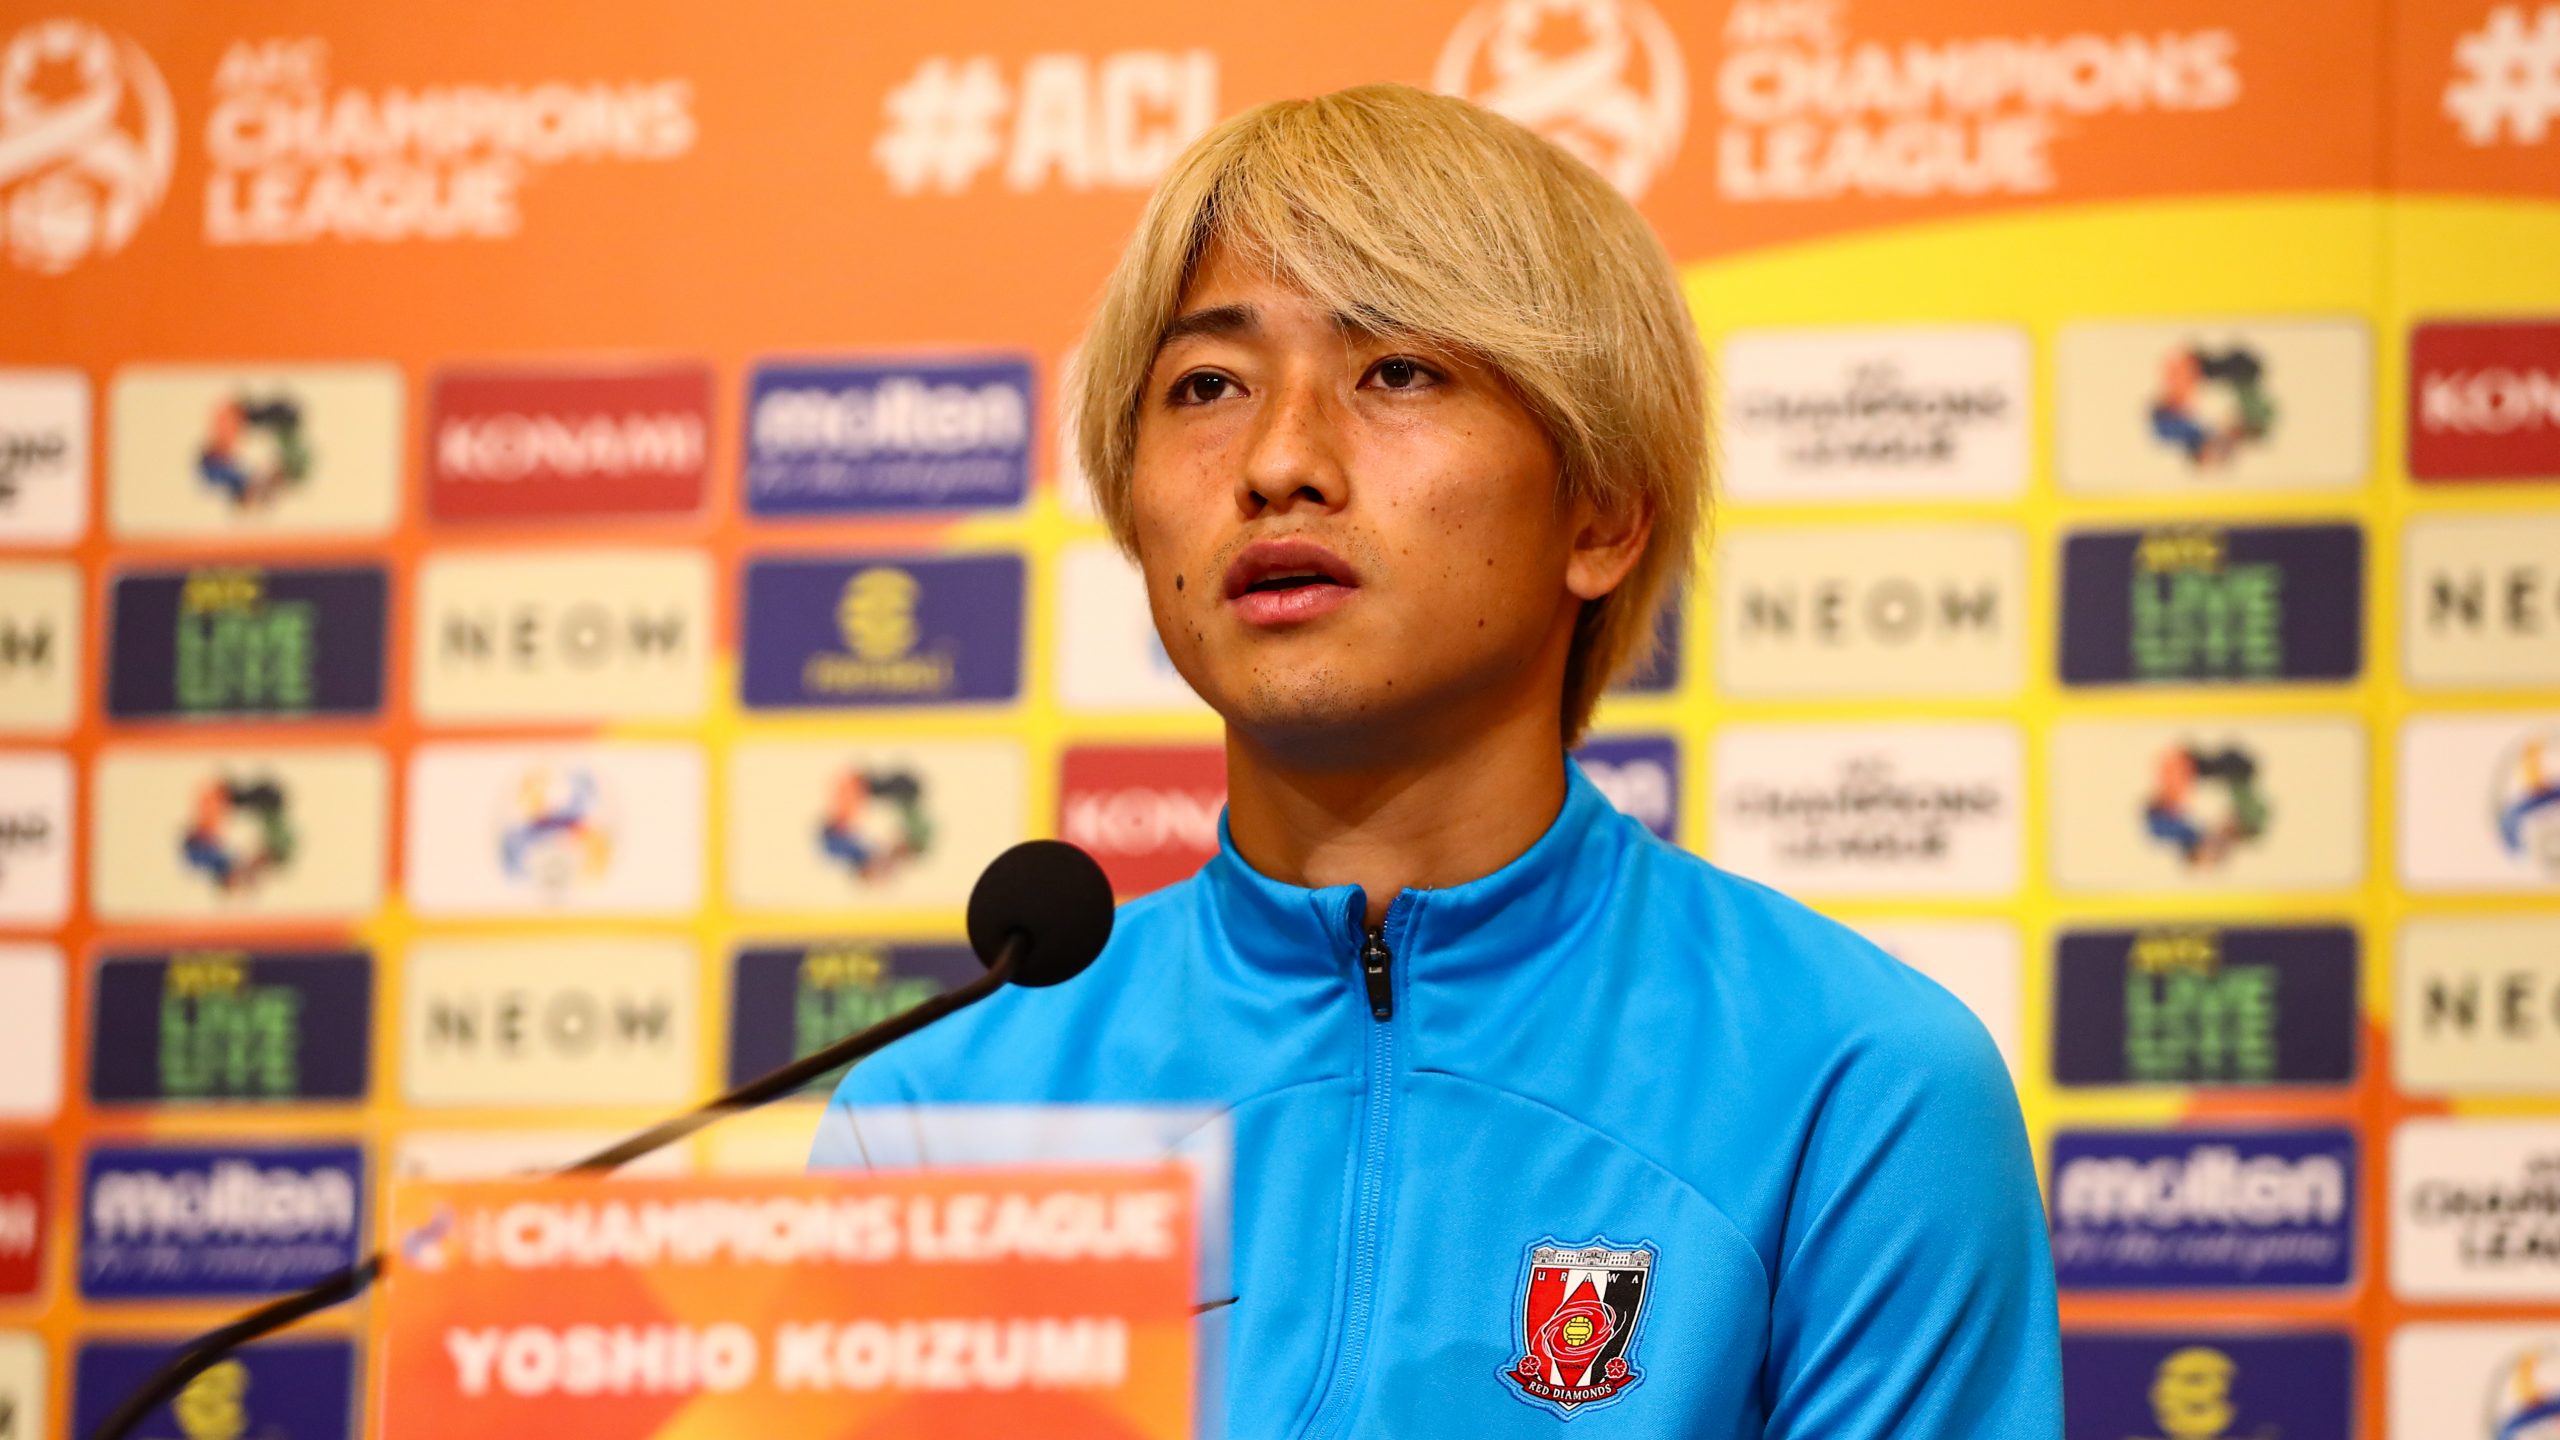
x: 1438, y: 815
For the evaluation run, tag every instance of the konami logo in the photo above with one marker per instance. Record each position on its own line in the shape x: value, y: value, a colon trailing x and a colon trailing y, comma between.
x: 1149, y: 813
x: 525, y: 445
x: 2484, y: 400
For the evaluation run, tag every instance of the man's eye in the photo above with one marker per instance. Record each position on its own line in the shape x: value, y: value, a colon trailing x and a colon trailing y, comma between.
x: 1201, y: 386
x: 1403, y: 374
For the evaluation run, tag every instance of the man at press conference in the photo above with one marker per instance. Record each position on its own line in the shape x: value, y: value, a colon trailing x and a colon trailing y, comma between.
x: 1539, y: 1121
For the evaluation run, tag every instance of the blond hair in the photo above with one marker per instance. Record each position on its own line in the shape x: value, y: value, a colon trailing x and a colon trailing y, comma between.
x: 1425, y: 216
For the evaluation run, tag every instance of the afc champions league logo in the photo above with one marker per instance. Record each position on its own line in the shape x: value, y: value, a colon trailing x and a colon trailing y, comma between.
x: 87, y: 138
x: 1602, y: 78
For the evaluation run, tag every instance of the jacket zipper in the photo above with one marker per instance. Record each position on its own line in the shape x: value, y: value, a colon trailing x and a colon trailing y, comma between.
x: 1377, y: 974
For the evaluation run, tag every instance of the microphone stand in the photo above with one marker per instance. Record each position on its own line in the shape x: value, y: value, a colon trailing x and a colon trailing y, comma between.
x: 202, y: 1353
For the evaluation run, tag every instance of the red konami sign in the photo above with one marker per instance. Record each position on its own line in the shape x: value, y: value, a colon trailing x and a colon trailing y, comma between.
x: 1149, y: 813
x: 534, y: 444
x: 2484, y: 400
x: 22, y: 1220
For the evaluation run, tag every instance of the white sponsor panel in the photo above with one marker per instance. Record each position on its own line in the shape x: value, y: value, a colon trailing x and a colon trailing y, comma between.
x: 32, y: 1024
x: 2475, y: 1210
x: 1832, y: 415
x: 2214, y: 405
x: 265, y: 833
x: 44, y: 456
x: 40, y: 644
x: 2208, y: 805
x: 1879, y: 610
x: 205, y: 451
x: 850, y: 825
x: 1108, y: 656
x: 771, y: 1143
x: 35, y: 840
x: 569, y: 828
x: 595, y: 1020
x: 22, y: 1386
x: 2454, y: 1381
x: 1870, y: 809
x: 563, y: 635
x: 2480, y: 802
x: 500, y: 1154
x: 2479, y: 1005
x: 2480, y: 601
x: 1979, y: 961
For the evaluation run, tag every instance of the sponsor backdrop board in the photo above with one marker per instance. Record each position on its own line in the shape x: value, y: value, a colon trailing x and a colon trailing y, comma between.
x: 503, y: 631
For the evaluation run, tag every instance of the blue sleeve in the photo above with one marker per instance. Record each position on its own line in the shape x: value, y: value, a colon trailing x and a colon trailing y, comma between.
x: 1914, y: 1289
x: 838, y: 1145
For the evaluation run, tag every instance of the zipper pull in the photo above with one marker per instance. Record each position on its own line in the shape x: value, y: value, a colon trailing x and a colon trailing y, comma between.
x: 1374, y: 961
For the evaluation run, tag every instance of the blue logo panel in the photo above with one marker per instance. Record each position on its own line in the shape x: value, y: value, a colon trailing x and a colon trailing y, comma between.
x: 792, y: 999
x: 2114, y: 1386
x: 2200, y: 605
x: 882, y: 630
x: 2203, y: 1209
x: 197, y: 1025
x: 1641, y: 776
x: 867, y: 438
x: 223, y: 642
x: 274, y: 1390
x: 2206, y: 1005
x: 175, y: 1221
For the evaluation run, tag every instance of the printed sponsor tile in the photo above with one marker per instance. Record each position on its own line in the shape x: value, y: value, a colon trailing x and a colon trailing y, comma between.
x: 881, y: 630
x: 2494, y: 1379
x: 786, y: 1001
x: 246, y: 641
x: 1979, y: 961
x: 568, y: 443
x: 1147, y: 813
x: 2478, y: 1007
x: 1641, y: 776
x: 845, y: 825
x: 2473, y: 1207
x: 1870, y: 809
x: 1871, y: 610
x: 2207, y: 805
x: 34, y: 1020
x: 587, y: 1020
x: 612, y: 827
x: 44, y: 457
x: 2178, y: 1383
x: 2239, y: 1005
x: 178, y: 1026
x: 167, y: 1222
x: 1109, y: 659
x: 23, y: 1384
x: 2484, y: 400
x: 2480, y: 802
x: 35, y: 839
x: 1919, y: 414
x: 544, y: 635
x: 292, y: 1389
x: 255, y: 833
x: 40, y: 647
x: 2209, y: 604
x: 2480, y: 601
x: 26, y: 1222
x: 2203, y: 1209
x: 854, y: 437
x: 205, y: 451
x: 2209, y: 405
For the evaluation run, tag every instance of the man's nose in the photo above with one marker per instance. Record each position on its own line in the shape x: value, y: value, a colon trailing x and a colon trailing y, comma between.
x: 1293, y: 456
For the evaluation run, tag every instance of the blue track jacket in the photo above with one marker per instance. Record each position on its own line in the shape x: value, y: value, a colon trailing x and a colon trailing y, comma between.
x: 1608, y: 1139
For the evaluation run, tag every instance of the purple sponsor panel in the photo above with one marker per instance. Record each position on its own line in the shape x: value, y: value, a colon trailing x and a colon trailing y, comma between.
x: 854, y: 438
x: 2203, y: 1209
x: 2180, y: 1384
x: 164, y: 1222
x: 842, y: 632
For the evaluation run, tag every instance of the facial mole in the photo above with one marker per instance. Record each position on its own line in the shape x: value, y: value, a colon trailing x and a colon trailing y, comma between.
x: 1177, y: 584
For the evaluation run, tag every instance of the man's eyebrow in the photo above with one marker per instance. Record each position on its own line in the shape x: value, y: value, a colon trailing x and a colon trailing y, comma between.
x: 1214, y: 320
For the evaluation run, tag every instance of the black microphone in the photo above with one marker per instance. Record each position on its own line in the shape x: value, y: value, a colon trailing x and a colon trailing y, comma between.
x: 1038, y: 916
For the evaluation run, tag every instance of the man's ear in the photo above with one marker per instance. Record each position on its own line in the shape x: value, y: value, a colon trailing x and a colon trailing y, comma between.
x: 1608, y: 538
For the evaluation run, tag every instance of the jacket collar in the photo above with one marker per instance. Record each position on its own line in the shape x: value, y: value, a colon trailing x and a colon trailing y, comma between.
x: 1270, y: 925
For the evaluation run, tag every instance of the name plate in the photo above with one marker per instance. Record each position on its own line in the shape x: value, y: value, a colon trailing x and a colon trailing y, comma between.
x: 970, y: 1301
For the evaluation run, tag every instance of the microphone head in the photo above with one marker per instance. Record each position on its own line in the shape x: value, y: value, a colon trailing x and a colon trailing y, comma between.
x: 1056, y: 896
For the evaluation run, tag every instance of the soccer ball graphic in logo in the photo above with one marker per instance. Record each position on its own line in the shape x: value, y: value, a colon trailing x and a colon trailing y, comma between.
x: 2524, y: 1399
x: 557, y: 830
x: 876, y: 823
x: 2205, y: 803
x: 254, y: 451
x: 238, y: 832
x: 87, y: 136
x: 1602, y: 78
x: 2526, y: 801
x: 2211, y: 403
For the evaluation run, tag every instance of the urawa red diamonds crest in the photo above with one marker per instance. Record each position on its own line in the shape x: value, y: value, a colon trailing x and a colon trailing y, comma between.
x: 1580, y: 1308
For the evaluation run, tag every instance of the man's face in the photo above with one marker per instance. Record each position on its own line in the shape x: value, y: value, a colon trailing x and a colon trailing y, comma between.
x: 1342, y: 532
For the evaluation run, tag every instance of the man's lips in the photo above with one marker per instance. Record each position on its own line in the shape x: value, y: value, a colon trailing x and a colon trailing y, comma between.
x: 1281, y: 582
